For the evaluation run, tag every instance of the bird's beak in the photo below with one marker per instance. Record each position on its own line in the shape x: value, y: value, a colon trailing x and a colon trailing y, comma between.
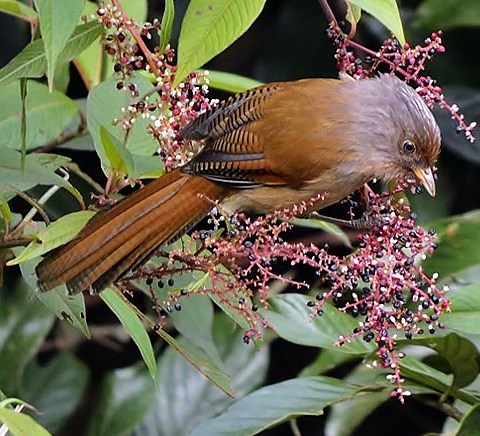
x: 425, y: 175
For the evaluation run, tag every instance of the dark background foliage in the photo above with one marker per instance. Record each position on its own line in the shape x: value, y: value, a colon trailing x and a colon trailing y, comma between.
x: 288, y: 42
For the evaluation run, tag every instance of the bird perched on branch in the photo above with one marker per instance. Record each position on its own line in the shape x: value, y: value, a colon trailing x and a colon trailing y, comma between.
x: 265, y: 149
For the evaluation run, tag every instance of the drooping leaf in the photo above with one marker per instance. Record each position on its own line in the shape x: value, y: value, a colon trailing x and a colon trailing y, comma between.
x: 20, y: 424
x: 167, y: 25
x: 38, y: 170
x: 31, y: 61
x: 465, y: 310
x: 132, y: 324
x: 460, y: 353
x: 24, y: 324
x: 277, y: 403
x: 55, y: 389
x: 47, y: 115
x: 104, y: 104
x: 458, y: 242
x: 385, y: 11
x: 125, y: 397
x: 291, y: 318
x: 429, y: 379
x: 231, y: 82
x: 118, y: 156
x: 56, y: 234
x: 17, y: 9
x: 185, y: 397
x: 57, y: 19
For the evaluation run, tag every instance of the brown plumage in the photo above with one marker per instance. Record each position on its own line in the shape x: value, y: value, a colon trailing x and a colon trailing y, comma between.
x: 265, y: 149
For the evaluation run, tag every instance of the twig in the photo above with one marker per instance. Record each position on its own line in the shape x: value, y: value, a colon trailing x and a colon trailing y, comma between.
x: 37, y: 205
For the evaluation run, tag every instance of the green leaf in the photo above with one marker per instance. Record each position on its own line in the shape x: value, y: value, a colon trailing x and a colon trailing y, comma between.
x: 460, y: 353
x: 361, y: 406
x: 136, y: 9
x: 55, y: 389
x: 38, y: 170
x: 125, y: 397
x: 66, y: 307
x: 104, y: 104
x: 197, y: 358
x: 277, y: 403
x: 58, y: 301
x: 428, y: 377
x: 134, y: 327
x: 119, y: 158
x: 230, y: 82
x: 209, y: 27
x: 31, y: 61
x: 470, y: 422
x: 24, y: 324
x: 91, y: 63
x: 462, y: 356
x: 82, y: 38
x: 465, y: 306
x: 446, y: 14
x: 62, y: 76
x: 147, y: 167
x: 194, y: 322
x: 57, y: 19
x: 18, y: 9
x: 56, y: 234
x: 47, y: 115
x: 385, y: 11
x: 167, y: 25
x: 20, y: 424
x: 186, y: 398
x: 354, y: 13
x: 458, y: 242
x: 291, y: 318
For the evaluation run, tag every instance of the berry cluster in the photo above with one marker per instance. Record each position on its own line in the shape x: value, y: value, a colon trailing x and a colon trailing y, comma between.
x: 167, y: 108
x: 383, y: 284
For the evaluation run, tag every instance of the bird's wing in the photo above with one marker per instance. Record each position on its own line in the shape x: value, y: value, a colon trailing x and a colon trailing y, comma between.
x: 233, y: 151
x: 282, y: 133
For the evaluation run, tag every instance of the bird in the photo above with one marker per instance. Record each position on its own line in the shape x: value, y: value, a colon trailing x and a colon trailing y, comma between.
x: 265, y: 149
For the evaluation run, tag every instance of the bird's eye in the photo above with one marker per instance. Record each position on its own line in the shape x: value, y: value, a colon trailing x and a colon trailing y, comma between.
x: 409, y: 147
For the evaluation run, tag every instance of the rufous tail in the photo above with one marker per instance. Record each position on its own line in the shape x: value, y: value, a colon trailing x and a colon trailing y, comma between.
x: 119, y: 239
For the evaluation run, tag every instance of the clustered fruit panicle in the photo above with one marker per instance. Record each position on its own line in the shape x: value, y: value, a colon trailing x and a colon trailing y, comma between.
x: 167, y: 108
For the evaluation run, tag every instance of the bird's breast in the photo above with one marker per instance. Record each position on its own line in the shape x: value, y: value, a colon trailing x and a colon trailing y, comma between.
x: 330, y: 187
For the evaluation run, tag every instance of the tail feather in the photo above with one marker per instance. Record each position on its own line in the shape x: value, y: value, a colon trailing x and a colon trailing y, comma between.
x: 123, y: 236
